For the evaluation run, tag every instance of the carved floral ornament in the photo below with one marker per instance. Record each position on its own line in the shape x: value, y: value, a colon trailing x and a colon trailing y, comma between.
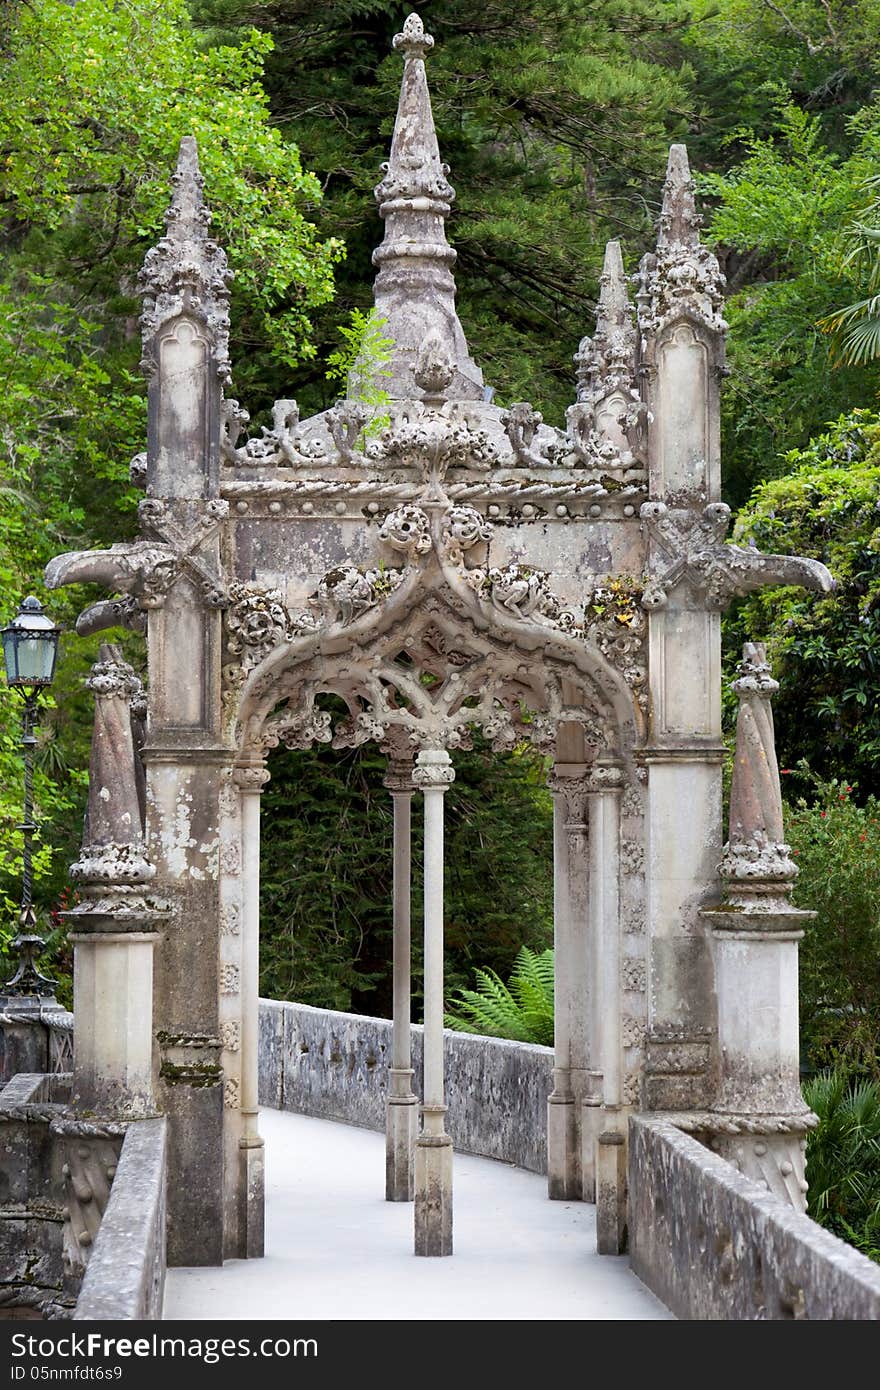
x: 258, y: 623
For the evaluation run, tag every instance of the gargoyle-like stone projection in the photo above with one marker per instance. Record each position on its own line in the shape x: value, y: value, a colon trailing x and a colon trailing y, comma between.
x: 406, y: 574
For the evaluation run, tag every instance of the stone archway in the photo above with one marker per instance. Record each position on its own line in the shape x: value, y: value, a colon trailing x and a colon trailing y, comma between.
x: 579, y: 571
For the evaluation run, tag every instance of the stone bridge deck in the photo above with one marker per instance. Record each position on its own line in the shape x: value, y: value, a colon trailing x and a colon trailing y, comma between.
x: 336, y: 1249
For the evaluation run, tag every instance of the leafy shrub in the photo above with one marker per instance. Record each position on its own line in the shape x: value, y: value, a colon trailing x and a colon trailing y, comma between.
x: 521, y: 1010
x: 837, y: 845
x: 843, y: 1158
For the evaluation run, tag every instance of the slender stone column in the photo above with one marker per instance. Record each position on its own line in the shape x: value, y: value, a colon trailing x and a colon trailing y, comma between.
x: 433, y: 773
x: 570, y: 1168
x: 250, y: 780
x: 761, y: 1119
x: 604, y: 1127
x: 401, y: 1110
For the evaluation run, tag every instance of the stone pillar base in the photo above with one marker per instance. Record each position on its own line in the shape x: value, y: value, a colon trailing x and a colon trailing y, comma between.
x: 253, y: 1160
x: 776, y: 1162
x: 401, y: 1132
x: 433, y: 1195
x: 563, y: 1151
x: 610, y: 1193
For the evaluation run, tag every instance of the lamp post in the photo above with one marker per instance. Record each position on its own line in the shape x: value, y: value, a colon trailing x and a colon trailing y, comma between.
x: 30, y: 649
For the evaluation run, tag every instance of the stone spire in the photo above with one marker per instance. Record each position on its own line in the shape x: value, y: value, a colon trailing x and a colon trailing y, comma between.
x: 415, y: 288
x: 187, y: 272
x: 608, y: 358
x: 607, y: 425
x: 683, y: 278
x: 679, y: 220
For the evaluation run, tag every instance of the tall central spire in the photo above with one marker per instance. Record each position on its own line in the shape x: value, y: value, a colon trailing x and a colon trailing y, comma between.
x: 415, y: 288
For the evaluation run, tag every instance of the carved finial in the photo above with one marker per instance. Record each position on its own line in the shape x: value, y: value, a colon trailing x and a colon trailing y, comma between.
x: 113, y: 837
x: 683, y: 278
x: 756, y: 850
x: 187, y: 218
x: 435, y: 369
x: 607, y: 424
x: 415, y: 290
x: 679, y: 220
x: 413, y: 42
x: 187, y: 272
x: 614, y: 310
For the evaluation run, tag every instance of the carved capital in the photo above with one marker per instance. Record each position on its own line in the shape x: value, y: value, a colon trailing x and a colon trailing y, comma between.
x: 433, y: 770
x: 250, y: 777
x: 113, y: 680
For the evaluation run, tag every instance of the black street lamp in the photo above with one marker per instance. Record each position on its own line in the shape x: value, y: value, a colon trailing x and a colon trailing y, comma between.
x: 30, y: 649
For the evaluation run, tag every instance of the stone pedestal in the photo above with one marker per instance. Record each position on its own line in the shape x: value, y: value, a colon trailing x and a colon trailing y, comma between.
x: 611, y: 1193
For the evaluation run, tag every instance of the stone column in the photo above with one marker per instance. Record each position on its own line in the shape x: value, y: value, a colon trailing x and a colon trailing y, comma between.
x: 250, y: 780
x: 576, y: 1089
x: 401, y: 1110
x: 185, y: 326
x: 761, y: 1119
x: 432, y: 774
x: 682, y: 330
x: 604, y: 1125
x: 113, y: 926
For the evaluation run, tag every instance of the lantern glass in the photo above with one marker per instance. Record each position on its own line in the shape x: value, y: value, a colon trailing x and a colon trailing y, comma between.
x: 30, y: 646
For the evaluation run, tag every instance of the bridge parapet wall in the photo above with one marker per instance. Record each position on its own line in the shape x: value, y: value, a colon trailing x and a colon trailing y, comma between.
x: 713, y: 1245
x: 335, y: 1066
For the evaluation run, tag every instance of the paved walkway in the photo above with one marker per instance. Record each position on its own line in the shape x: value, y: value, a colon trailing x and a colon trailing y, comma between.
x: 336, y: 1249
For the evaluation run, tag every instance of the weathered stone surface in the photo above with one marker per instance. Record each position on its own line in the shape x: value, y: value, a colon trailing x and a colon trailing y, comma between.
x: 335, y: 1066
x: 713, y: 1245
x: 125, y: 1277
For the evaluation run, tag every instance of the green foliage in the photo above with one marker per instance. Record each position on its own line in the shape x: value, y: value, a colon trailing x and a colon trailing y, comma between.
x: 789, y: 206
x: 843, y: 1158
x: 825, y: 649
x: 360, y: 366
x: 326, y: 873
x: 522, y: 1009
x: 837, y: 845
x: 93, y: 103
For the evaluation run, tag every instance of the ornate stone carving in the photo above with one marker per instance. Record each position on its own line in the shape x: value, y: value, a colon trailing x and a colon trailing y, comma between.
x: 689, y: 548
x: 756, y: 848
x: 632, y: 1031
x: 230, y: 1035
x: 113, y: 849
x: 346, y: 593
x: 433, y: 769
x: 230, y: 919
x: 633, y: 975
x: 231, y: 1093
x: 632, y: 857
x: 463, y: 528
x: 230, y: 977
x: 683, y: 278
x: 408, y: 531
x: 635, y: 919
x: 256, y: 621
x: 187, y: 273
x: 88, y: 1172
x: 277, y: 446
x: 521, y: 424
